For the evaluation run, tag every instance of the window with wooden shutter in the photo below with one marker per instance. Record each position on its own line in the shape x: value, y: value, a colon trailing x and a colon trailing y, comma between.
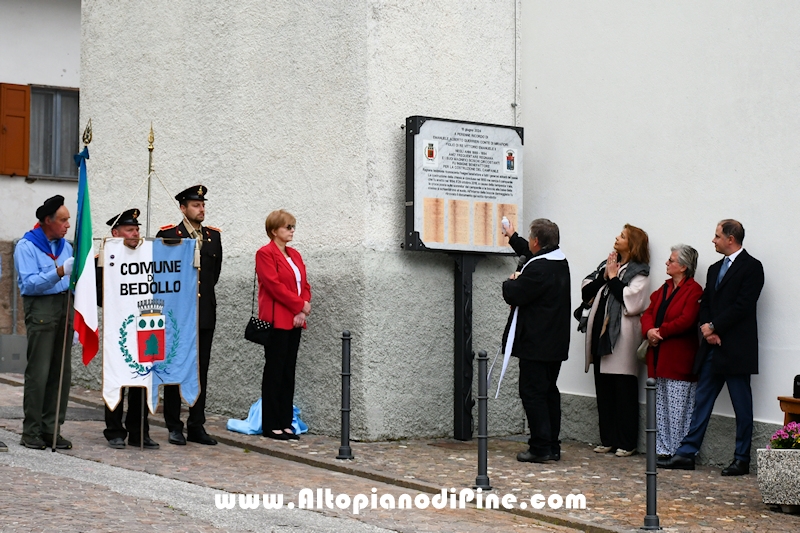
x: 54, y: 134
x: 15, y: 108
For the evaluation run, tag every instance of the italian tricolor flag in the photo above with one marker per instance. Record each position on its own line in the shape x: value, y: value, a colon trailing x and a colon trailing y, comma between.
x: 82, y: 281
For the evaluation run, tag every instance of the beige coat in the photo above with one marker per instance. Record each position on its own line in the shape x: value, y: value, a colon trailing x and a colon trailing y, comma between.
x: 635, y: 298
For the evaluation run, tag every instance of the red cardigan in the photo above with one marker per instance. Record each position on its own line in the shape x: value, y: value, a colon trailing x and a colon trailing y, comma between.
x: 277, y: 285
x: 679, y: 330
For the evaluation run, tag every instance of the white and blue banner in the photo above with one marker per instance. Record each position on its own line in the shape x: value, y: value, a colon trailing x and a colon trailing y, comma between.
x: 150, y: 297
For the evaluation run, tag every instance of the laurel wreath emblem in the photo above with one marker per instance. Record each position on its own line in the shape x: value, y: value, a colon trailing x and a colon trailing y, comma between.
x: 158, y: 368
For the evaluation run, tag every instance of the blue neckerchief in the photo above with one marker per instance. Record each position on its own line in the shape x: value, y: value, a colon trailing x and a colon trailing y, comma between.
x: 37, y: 237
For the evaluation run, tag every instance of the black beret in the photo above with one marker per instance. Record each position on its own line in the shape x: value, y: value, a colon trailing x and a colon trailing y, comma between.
x: 126, y: 218
x: 195, y: 192
x: 49, y: 207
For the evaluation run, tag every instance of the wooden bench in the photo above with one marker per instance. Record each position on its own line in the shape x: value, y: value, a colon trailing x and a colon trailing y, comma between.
x: 791, y: 409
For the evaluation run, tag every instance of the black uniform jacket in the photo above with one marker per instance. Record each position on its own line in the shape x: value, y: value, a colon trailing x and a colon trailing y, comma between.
x: 731, y: 307
x: 210, y: 266
x: 542, y: 293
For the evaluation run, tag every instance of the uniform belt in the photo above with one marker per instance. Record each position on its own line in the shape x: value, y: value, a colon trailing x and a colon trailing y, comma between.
x: 62, y: 293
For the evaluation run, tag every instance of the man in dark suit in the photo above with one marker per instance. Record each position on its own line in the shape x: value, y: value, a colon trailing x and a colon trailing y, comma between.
x: 537, y: 333
x: 729, y: 351
x: 192, y: 202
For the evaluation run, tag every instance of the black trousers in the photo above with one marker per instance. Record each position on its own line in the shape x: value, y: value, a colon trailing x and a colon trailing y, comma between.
x: 172, y: 395
x: 542, y: 403
x: 617, y: 408
x: 277, y: 382
x: 114, y: 427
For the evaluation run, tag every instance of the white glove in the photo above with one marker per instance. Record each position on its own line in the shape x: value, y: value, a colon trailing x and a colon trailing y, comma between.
x: 68, y: 266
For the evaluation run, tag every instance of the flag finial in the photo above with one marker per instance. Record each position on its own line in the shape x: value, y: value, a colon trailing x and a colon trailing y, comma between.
x: 87, y: 133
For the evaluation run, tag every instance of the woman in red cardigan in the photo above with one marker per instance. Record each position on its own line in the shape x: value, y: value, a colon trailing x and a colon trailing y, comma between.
x: 284, y: 297
x: 670, y: 326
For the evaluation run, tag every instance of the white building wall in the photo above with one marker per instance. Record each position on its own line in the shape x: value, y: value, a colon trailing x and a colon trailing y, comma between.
x: 40, y: 44
x: 670, y: 116
x: 300, y: 105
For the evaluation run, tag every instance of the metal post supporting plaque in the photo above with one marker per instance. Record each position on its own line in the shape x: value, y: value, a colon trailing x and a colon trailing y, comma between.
x: 463, y: 354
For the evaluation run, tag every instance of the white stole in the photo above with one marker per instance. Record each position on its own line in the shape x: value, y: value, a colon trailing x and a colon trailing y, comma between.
x: 555, y: 255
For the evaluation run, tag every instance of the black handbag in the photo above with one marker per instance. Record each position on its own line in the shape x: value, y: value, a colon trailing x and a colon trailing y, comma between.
x: 257, y: 330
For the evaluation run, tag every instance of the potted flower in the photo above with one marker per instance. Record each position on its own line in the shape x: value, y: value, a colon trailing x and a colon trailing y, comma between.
x: 779, y: 469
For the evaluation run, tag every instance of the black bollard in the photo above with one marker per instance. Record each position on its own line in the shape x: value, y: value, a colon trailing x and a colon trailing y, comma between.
x: 344, y: 450
x: 651, y: 519
x: 482, y: 481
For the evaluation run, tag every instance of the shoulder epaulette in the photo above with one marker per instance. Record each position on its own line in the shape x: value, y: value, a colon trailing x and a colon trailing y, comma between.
x: 168, y: 226
x: 215, y: 229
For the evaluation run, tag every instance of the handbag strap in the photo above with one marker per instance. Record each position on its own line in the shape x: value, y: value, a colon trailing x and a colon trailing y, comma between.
x: 253, y: 303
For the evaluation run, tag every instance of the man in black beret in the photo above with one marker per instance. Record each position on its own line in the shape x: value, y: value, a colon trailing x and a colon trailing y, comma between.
x: 193, y: 202
x: 126, y: 225
x: 43, y: 259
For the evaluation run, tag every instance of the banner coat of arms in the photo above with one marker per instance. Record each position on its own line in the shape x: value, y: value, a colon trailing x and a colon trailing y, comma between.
x: 149, y: 319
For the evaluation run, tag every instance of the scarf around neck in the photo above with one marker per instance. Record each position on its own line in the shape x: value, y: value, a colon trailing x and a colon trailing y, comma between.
x: 37, y: 237
x: 614, y: 307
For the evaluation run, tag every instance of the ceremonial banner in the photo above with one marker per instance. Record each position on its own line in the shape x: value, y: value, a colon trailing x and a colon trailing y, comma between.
x: 149, y: 319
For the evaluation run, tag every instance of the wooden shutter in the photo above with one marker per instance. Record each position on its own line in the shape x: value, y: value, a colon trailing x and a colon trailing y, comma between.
x: 15, y: 129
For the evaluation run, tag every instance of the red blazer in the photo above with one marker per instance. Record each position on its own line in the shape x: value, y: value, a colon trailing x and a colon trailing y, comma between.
x: 679, y: 330
x: 277, y: 285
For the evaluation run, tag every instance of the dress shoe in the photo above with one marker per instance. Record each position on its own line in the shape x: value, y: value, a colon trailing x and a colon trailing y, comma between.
x: 176, y: 437
x: 3, y: 447
x: 34, y: 443
x: 292, y: 435
x: 603, y: 449
x: 148, y: 444
x: 625, y: 453
x: 678, y: 462
x: 737, y: 468
x: 118, y: 443
x: 61, y: 442
x: 662, y: 460
x: 200, y: 436
x: 276, y: 436
x: 556, y: 455
x: 529, y: 457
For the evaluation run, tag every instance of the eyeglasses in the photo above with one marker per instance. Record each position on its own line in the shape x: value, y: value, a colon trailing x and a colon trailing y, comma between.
x: 290, y: 227
x: 671, y: 260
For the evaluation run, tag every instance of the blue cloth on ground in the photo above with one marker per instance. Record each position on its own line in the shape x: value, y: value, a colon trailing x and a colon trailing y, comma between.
x: 252, y: 424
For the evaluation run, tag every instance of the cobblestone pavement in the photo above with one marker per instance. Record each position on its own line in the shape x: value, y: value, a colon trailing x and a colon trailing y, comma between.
x: 43, y: 491
x: 36, y: 495
x: 614, y: 488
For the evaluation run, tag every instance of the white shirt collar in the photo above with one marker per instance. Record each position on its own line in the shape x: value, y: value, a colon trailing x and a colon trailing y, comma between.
x: 735, y: 254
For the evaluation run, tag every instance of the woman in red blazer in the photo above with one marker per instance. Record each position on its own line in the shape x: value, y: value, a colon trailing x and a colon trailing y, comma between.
x: 670, y: 326
x: 284, y: 297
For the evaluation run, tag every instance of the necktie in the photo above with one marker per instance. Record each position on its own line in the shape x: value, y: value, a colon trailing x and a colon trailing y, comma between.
x: 725, y: 266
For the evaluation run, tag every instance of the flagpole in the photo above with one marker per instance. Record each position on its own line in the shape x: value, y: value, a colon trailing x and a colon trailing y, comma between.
x: 87, y: 138
x: 143, y: 403
x: 150, y: 140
